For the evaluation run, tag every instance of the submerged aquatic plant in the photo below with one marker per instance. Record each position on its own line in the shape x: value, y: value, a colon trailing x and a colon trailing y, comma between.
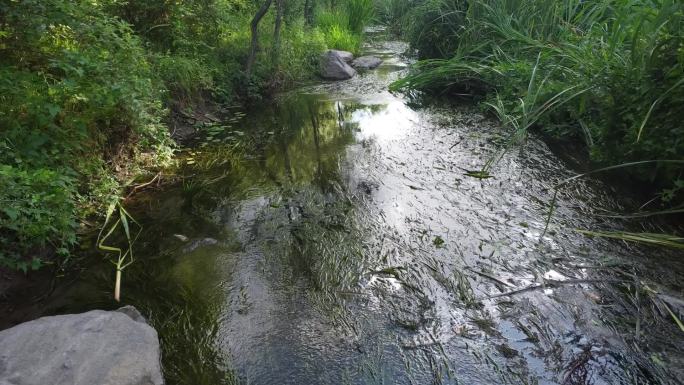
x: 656, y: 239
x: 123, y: 222
x: 648, y: 238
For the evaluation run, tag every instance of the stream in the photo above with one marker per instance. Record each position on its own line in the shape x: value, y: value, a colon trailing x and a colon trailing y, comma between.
x: 333, y: 237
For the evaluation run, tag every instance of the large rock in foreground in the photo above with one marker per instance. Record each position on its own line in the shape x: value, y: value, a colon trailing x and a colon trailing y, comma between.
x: 93, y: 348
x: 367, y: 62
x: 334, y: 65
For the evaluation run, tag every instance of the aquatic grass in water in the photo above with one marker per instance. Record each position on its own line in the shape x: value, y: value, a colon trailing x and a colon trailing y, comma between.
x: 655, y: 239
x: 566, y: 181
x: 528, y: 111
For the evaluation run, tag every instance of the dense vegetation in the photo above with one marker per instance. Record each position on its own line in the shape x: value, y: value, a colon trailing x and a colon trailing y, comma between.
x: 86, y: 88
x: 608, y: 73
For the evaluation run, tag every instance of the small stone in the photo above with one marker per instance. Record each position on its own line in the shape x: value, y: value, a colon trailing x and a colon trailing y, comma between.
x: 366, y: 62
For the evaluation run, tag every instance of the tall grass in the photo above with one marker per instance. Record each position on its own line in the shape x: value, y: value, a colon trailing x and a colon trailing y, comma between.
x: 613, y: 70
x: 340, y: 38
x: 343, y: 25
x: 359, y: 14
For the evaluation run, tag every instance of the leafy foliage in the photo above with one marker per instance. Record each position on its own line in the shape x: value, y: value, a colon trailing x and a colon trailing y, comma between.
x: 359, y: 14
x: 37, y: 212
x: 340, y: 38
x: 343, y: 26
x: 76, y: 100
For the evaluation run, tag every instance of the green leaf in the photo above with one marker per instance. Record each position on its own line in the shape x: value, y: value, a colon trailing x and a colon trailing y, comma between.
x: 11, y: 212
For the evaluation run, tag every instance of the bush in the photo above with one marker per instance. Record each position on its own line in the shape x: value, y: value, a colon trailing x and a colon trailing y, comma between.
x: 37, y: 211
x: 392, y: 13
x: 301, y: 51
x: 328, y: 19
x: 337, y: 25
x: 183, y: 77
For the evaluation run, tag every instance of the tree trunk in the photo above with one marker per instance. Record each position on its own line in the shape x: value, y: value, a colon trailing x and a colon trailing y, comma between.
x: 254, y: 26
x: 276, y: 32
x: 309, y: 12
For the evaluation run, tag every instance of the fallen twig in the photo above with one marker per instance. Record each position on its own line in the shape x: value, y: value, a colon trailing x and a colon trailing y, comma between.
x: 555, y: 283
x: 485, y: 275
x: 143, y: 185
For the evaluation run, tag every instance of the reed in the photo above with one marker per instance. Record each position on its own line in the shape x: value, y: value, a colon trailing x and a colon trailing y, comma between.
x: 359, y: 14
x: 124, y: 256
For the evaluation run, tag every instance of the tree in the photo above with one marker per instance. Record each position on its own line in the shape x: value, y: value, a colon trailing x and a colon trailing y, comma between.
x: 309, y: 12
x: 276, y: 31
x: 254, y: 27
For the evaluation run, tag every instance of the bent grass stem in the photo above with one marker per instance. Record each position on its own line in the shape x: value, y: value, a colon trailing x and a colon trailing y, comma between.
x: 124, y: 259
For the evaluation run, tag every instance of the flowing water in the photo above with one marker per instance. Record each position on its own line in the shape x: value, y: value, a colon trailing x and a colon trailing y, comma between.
x: 332, y: 237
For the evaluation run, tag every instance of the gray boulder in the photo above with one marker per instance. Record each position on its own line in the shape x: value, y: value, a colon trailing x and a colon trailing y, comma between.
x: 93, y: 348
x: 346, y: 56
x: 366, y: 62
x: 334, y: 67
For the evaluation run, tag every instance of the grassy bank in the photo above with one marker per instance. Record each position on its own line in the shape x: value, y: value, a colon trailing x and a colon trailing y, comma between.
x: 86, y: 90
x: 608, y: 73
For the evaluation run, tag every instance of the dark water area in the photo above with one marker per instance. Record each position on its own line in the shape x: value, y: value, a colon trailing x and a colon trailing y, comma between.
x: 332, y: 237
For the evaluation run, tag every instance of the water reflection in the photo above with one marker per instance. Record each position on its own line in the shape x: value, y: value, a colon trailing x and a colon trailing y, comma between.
x: 384, y: 122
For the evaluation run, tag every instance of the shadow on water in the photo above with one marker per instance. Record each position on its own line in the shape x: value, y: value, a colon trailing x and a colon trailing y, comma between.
x: 334, y: 239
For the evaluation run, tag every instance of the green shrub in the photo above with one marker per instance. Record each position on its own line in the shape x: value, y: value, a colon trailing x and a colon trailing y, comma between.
x: 184, y: 77
x: 392, y: 14
x: 343, y: 28
x: 432, y: 27
x: 37, y: 211
x: 328, y: 19
x: 301, y: 50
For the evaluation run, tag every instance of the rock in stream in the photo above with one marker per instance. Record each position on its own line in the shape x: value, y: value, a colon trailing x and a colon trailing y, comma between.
x: 334, y: 65
x: 366, y: 62
x: 94, y: 348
